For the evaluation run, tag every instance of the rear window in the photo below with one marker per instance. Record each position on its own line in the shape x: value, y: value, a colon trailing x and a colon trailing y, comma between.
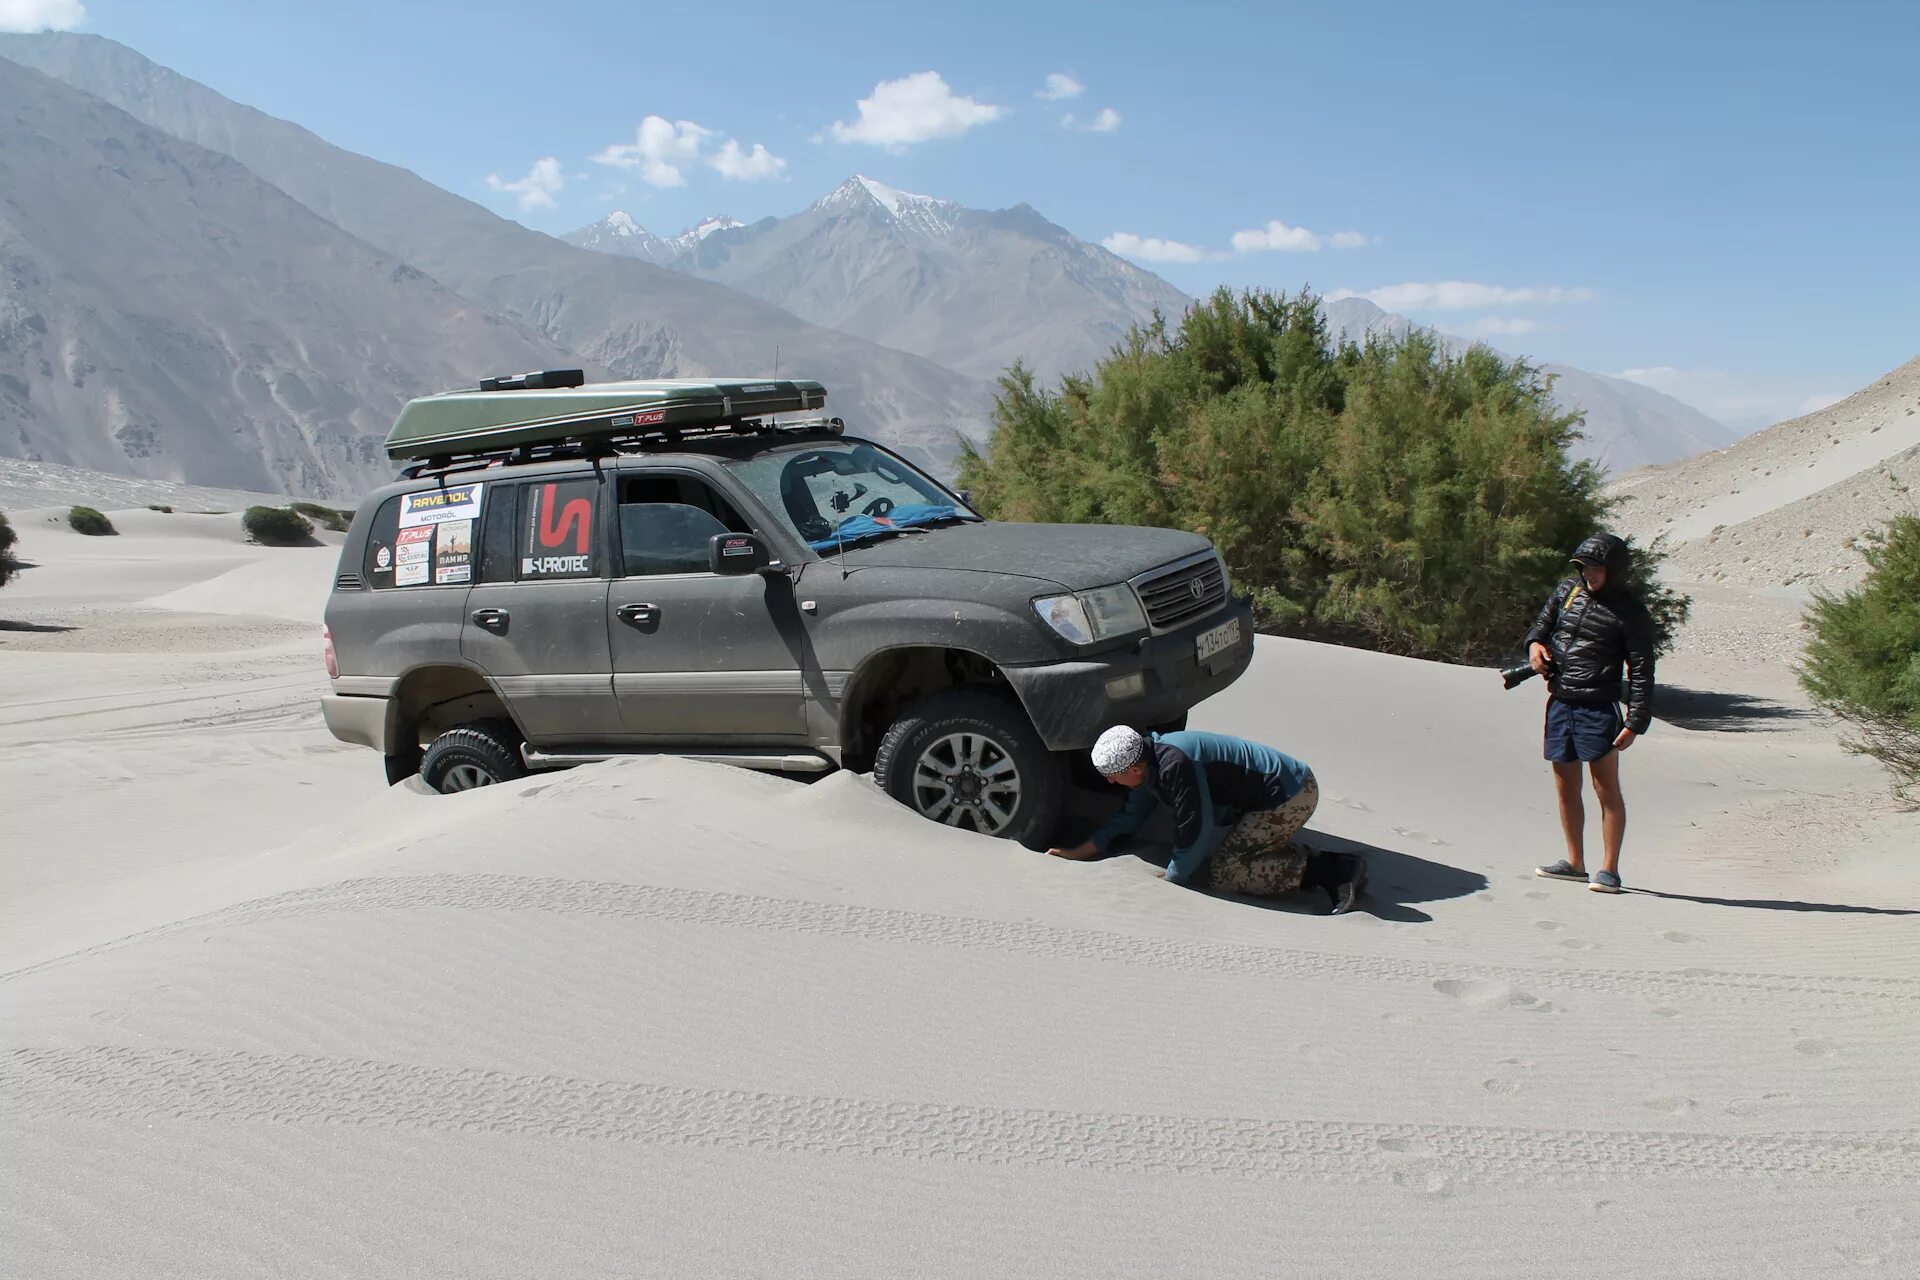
x: 424, y: 539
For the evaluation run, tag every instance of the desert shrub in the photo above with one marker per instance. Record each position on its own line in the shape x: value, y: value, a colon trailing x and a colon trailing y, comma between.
x: 163, y: 510
x: 89, y: 521
x: 8, y: 565
x: 326, y: 517
x: 276, y: 526
x: 1862, y: 660
x: 1390, y: 494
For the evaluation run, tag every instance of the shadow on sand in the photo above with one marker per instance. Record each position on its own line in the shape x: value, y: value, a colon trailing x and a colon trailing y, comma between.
x: 1779, y: 904
x: 1395, y: 881
x: 5, y: 625
x: 1723, y: 712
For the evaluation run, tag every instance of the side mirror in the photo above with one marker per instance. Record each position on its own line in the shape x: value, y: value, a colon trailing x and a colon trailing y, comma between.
x: 736, y: 554
x: 966, y: 496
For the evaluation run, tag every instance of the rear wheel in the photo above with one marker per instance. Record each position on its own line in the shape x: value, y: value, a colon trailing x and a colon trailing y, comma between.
x: 971, y: 760
x: 474, y: 755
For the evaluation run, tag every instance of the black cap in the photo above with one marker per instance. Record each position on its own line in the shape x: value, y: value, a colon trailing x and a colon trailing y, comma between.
x: 1601, y: 549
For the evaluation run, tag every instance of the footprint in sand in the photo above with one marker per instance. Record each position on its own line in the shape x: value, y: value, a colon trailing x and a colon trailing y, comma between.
x: 1580, y: 944
x: 1428, y: 1182
x: 1405, y: 1147
x: 1670, y: 1106
x: 1674, y: 935
x: 1664, y: 1012
x: 1490, y: 993
x: 1551, y: 926
x: 1746, y: 1108
x: 1504, y: 1086
x: 1814, y: 1048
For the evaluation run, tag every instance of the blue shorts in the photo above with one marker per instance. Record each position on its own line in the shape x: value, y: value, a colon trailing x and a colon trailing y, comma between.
x: 1577, y: 733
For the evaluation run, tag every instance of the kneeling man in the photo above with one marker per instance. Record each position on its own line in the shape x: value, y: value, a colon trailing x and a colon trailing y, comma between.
x: 1237, y: 806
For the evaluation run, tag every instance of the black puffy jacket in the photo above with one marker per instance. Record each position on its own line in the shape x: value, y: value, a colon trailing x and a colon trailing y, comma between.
x: 1591, y: 636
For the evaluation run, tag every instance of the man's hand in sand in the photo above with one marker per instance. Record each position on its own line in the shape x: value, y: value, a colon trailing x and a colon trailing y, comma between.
x: 1078, y: 853
x: 1625, y: 740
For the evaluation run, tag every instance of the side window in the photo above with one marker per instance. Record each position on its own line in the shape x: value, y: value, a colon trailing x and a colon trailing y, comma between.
x: 425, y: 538
x: 378, y: 568
x: 667, y: 521
x: 559, y: 529
x: 496, y: 538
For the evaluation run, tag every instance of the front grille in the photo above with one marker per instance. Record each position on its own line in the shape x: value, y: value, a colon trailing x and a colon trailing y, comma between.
x: 349, y: 582
x: 1186, y: 592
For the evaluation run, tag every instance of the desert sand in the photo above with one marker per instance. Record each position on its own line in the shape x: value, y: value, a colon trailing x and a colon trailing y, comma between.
x: 263, y: 1015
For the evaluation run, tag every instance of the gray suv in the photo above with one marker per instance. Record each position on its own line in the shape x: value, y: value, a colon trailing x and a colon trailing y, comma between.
x: 567, y: 573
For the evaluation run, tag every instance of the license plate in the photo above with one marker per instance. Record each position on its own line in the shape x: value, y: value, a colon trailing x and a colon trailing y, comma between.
x: 1211, y: 644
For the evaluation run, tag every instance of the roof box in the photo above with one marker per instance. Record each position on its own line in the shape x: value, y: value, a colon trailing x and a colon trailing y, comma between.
x: 460, y: 423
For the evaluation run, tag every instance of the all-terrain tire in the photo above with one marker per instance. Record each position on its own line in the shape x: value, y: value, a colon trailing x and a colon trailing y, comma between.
x: 972, y: 759
x: 474, y: 755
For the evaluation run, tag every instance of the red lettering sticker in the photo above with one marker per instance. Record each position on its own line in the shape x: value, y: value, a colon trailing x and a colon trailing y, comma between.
x: 574, y: 518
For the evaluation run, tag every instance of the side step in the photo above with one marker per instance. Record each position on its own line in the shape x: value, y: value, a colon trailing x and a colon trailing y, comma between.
x: 766, y: 760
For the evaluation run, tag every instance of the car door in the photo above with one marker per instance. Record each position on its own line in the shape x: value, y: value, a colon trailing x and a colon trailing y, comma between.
x: 697, y: 655
x: 536, y: 619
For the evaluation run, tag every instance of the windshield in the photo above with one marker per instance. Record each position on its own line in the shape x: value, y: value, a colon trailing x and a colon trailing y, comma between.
x: 839, y: 493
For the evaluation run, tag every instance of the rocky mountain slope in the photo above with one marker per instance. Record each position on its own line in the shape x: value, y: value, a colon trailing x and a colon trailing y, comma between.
x: 632, y: 318
x: 167, y: 314
x: 972, y: 289
x: 1627, y: 425
x: 1786, y: 507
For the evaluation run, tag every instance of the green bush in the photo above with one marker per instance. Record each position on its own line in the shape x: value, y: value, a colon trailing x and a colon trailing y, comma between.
x: 1862, y: 660
x: 1389, y: 495
x: 325, y: 517
x: 276, y: 526
x: 163, y: 510
x: 8, y: 565
x: 88, y: 521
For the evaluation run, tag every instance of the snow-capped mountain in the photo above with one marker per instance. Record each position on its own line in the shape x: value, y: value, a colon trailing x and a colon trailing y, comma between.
x: 925, y: 215
x: 972, y: 289
x: 618, y: 233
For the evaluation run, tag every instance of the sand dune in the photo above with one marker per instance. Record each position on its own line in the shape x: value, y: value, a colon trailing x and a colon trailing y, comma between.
x: 1784, y: 506
x: 260, y: 1014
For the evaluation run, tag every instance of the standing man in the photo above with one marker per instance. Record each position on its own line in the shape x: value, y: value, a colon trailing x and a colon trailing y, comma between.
x: 1236, y: 807
x: 1591, y: 625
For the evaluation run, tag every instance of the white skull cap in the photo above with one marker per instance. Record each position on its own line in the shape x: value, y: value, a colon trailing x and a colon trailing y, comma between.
x: 1118, y: 750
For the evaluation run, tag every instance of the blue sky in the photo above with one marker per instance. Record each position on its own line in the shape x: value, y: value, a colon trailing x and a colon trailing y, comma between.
x: 1721, y: 197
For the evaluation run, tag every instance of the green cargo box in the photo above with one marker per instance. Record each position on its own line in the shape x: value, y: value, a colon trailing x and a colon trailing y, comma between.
x: 468, y: 422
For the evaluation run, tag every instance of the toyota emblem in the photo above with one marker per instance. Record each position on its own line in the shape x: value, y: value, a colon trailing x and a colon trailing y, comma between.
x: 1197, y: 589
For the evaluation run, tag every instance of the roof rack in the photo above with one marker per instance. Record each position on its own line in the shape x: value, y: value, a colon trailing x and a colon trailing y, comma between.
x: 548, y: 410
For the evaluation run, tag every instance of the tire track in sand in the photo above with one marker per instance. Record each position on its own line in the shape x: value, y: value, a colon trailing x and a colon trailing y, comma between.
x: 787, y: 915
x: 141, y: 1085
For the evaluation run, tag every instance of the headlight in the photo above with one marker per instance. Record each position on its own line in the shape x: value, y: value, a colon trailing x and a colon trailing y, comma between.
x: 1226, y: 576
x: 1087, y: 616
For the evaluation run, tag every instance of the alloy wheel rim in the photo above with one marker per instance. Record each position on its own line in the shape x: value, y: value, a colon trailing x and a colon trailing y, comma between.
x: 969, y: 781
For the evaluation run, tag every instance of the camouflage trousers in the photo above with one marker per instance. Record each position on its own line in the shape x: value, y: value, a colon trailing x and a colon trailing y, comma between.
x: 1258, y: 857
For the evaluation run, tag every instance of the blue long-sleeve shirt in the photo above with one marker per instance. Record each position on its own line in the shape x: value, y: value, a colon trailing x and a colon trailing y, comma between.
x: 1210, y: 781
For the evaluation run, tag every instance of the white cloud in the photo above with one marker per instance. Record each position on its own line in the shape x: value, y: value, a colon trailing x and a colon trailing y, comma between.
x: 1106, y: 122
x: 1147, y: 249
x: 536, y: 190
x: 1277, y: 235
x: 1503, y: 326
x: 746, y: 166
x: 664, y: 150
x: 1738, y: 400
x: 41, y: 15
x: 1457, y: 295
x: 913, y: 109
x: 661, y: 149
x: 1061, y: 85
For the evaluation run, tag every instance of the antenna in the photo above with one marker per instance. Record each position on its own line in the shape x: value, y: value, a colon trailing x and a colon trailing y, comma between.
x: 776, y: 360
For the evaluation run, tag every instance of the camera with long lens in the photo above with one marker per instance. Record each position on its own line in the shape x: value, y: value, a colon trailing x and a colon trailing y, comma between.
x: 1514, y: 677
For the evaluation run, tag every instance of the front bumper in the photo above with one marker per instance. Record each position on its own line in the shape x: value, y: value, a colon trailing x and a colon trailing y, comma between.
x: 1070, y: 703
x: 369, y: 722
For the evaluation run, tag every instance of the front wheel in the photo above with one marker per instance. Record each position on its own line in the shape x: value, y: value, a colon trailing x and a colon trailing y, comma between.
x: 474, y: 755
x: 971, y: 760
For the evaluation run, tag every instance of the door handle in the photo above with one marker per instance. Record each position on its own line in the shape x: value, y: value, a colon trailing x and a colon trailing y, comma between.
x: 491, y: 619
x: 640, y: 615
